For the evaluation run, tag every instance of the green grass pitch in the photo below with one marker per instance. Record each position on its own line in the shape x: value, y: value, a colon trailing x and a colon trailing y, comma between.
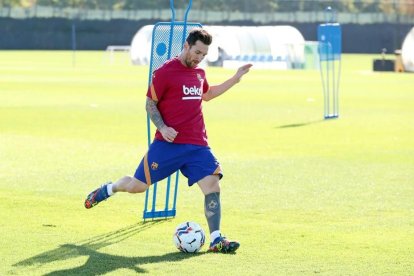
x: 303, y: 195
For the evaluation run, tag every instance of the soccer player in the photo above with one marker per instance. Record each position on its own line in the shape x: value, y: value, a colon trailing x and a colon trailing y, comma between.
x: 173, y: 103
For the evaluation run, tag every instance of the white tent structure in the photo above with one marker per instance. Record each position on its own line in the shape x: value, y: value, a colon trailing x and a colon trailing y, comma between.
x: 407, y: 51
x: 141, y: 46
x: 278, y: 47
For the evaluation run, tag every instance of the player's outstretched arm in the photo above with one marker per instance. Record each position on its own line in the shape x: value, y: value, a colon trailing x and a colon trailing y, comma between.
x: 217, y: 90
x: 168, y: 133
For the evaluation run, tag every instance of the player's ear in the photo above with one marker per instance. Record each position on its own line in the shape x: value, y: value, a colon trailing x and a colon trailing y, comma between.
x: 186, y: 46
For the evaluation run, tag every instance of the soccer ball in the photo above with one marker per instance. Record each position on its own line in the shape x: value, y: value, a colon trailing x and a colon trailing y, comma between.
x: 189, y: 237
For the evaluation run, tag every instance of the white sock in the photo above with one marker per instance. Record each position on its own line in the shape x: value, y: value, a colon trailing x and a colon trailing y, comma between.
x: 214, y: 235
x: 109, y: 189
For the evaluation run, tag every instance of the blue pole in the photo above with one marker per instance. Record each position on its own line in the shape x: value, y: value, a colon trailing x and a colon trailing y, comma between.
x: 73, y: 43
x: 175, y: 191
x: 149, y: 130
x: 167, y: 194
x: 171, y: 29
x: 185, y: 21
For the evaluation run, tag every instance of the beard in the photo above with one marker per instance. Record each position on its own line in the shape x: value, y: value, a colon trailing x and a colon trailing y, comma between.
x: 189, y: 62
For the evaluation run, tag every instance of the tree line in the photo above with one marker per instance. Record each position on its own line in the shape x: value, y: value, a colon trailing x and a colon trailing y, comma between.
x: 404, y: 7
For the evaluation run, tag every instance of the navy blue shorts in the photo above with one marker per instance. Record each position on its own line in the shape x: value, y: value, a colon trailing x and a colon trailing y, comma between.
x: 163, y: 159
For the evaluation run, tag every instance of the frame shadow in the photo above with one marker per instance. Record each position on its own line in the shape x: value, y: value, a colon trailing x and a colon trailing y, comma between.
x: 101, y: 263
x: 301, y: 124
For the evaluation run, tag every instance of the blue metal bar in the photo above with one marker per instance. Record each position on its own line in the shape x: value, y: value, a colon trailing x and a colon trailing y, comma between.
x: 185, y: 21
x: 167, y: 212
x: 327, y: 78
x: 149, y: 122
x: 337, y: 87
x: 167, y: 193
x: 175, y: 191
x: 188, y: 10
x: 154, y: 196
x: 333, y: 80
x: 152, y: 61
x: 172, y: 10
x: 321, y: 50
x: 73, y: 43
x: 160, y: 214
x: 146, y: 202
x: 171, y: 29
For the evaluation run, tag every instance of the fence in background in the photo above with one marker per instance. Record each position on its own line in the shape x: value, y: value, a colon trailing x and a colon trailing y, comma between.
x: 201, y: 15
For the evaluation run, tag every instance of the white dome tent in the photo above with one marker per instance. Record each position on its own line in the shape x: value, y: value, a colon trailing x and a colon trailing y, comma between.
x: 407, y: 51
x: 278, y: 47
x: 141, y: 46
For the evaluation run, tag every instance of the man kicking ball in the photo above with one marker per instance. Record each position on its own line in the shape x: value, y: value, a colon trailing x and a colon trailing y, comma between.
x: 174, y: 104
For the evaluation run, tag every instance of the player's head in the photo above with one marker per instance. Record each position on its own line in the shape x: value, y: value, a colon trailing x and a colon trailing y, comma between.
x: 199, y: 34
x: 196, y: 47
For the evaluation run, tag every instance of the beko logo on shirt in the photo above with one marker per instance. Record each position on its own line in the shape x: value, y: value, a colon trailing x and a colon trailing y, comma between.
x: 192, y: 93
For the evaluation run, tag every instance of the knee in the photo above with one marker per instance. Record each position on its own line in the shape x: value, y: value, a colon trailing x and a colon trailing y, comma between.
x: 210, y: 184
x: 215, y: 187
x: 136, y: 186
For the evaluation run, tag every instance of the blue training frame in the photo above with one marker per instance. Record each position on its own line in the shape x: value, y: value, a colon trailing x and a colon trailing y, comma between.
x: 175, y: 33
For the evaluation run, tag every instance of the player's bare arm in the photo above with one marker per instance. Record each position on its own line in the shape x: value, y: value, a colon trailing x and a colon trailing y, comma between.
x: 217, y: 90
x: 168, y: 133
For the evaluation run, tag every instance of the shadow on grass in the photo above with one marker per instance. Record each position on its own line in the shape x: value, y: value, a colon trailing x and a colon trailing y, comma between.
x: 102, y: 263
x: 301, y: 124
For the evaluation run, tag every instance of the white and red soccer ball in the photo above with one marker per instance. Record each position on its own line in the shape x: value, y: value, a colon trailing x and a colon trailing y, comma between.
x: 189, y: 237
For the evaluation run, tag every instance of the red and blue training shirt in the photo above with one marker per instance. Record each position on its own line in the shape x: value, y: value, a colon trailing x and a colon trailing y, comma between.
x: 178, y: 90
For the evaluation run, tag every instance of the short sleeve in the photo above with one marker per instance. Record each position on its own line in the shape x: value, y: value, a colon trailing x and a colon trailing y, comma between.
x: 157, y: 86
x: 206, y: 86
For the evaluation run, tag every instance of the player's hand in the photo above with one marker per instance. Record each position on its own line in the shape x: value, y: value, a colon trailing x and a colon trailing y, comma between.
x: 243, y: 70
x: 168, y: 133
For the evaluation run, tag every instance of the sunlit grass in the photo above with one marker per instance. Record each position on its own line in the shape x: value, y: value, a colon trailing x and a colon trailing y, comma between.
x: 303, y: 195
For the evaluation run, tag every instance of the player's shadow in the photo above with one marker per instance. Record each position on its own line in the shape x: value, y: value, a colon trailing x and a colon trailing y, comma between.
x: 101, y: 263
x: 301, y: 124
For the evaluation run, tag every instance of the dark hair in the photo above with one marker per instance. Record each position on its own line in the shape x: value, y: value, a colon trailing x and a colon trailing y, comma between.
x: 199, y: 34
